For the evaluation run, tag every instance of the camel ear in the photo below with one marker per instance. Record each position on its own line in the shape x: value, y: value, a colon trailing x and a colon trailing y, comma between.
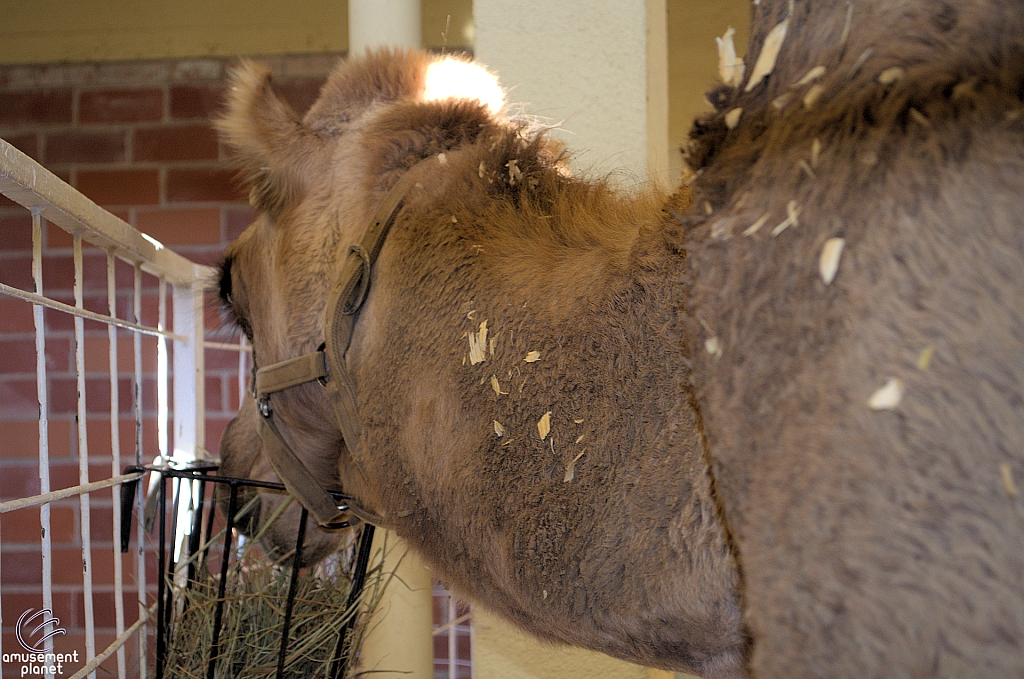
x: 277, y: 155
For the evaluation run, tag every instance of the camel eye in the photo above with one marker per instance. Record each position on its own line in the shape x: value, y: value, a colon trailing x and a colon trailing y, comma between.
x: 224, y: 283
x: 227, y: 298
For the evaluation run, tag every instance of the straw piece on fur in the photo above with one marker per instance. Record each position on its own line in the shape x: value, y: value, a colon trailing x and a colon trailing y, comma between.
x: 730, y: 67
x: 809, y: 77
x: 812, y: 95
x: 769, y: 54
x: 732, y: 118
x: 793, y: 212
x: 756, y: 225
x: 1008, y: 484
x: 544, y: 425
x: 515, y: 175
x: 891, y: 75
x: 920, y: 118
x: 570, y: 471
x: 532, y: 356
x: 924, y: 359
x: 498, y: 429
x: 830, y: 254
x: 888, y: 397
x: 478, y: 344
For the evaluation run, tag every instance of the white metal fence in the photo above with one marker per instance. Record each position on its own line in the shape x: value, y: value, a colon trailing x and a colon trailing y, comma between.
x: 174, y: 342
x: 179, y: 376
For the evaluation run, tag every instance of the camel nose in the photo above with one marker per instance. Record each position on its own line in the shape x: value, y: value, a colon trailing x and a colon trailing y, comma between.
x: 240, y: 447
x: 229, y: 450
x: 225, y: 439
x: 238, y: 450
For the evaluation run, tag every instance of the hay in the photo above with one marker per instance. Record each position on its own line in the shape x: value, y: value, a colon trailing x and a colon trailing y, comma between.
x: 730, y: 67
x: 765, y: 63
x: 478, y: 345
x: 888, y: 396
x: 828, y: 264
x: 544, y: 425
x: 253, y: 619
x: 756, y: 225
x: 732, y: 118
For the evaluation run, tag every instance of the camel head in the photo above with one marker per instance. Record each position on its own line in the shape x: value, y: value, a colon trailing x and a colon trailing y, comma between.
x: 314, y: 184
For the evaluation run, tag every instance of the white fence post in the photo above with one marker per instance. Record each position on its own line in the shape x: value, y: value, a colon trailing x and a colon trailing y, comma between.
x: 48, y: 197
x: 189, y: 406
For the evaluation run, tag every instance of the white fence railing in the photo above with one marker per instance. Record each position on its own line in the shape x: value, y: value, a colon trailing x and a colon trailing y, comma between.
x: 176, y: 348
x: 180, y: 342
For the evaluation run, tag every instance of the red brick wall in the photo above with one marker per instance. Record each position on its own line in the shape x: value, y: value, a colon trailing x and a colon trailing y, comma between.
x: 135, y: 138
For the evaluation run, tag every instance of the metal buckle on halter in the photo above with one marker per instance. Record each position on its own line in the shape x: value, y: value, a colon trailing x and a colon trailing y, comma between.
x: 364, y: 279
x: 347, y: 523
x: 263, y: 403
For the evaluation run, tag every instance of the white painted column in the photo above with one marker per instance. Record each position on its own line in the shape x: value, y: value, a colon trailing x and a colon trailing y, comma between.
x: 189, y: 370
x: 398, y: 644
x: 599, y: 67
x: 502, y: 651
x: 372, y: 23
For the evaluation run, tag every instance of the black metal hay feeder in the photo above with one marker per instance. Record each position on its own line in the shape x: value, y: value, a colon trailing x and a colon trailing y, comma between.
x: 201, y: 472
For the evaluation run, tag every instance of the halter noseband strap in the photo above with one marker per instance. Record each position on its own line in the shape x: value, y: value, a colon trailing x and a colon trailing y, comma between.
x: 327, y: 365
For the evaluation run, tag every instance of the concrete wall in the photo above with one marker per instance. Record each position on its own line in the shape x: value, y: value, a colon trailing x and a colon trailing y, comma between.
x: 45, y: 31
x: 49, y: 31
x: 501, y: 651
x: 581, y: 65
x: 693, y: 59
x: 594, y: 68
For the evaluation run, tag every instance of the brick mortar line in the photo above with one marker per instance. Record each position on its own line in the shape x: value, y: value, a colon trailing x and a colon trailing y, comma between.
x: 202, y: 164
x: 112, y: 74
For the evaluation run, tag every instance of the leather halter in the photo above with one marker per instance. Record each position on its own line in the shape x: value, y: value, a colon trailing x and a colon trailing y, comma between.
x: 327, y: 366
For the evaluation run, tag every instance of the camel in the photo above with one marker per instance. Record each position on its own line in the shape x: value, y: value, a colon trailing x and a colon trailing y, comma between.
x: 769, y: 428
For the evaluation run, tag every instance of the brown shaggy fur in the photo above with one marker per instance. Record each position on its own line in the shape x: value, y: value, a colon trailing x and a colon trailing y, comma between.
x: 630, y: 557
x: 873, y: 544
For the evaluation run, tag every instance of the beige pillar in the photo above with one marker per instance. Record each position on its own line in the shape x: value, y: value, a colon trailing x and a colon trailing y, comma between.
x: 598, y: 67
x: 657, y: 93
x: 383, y: 22
x: 501, y: 651
x: 398, y: 643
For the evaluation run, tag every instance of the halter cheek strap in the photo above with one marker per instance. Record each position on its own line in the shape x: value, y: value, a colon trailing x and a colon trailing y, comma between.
x: 327, y: 366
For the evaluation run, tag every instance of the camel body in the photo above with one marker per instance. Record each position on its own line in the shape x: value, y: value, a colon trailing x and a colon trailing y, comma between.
x: 637, y: 423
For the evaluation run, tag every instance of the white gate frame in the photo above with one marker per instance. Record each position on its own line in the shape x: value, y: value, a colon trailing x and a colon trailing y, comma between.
x: 47, y: 197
